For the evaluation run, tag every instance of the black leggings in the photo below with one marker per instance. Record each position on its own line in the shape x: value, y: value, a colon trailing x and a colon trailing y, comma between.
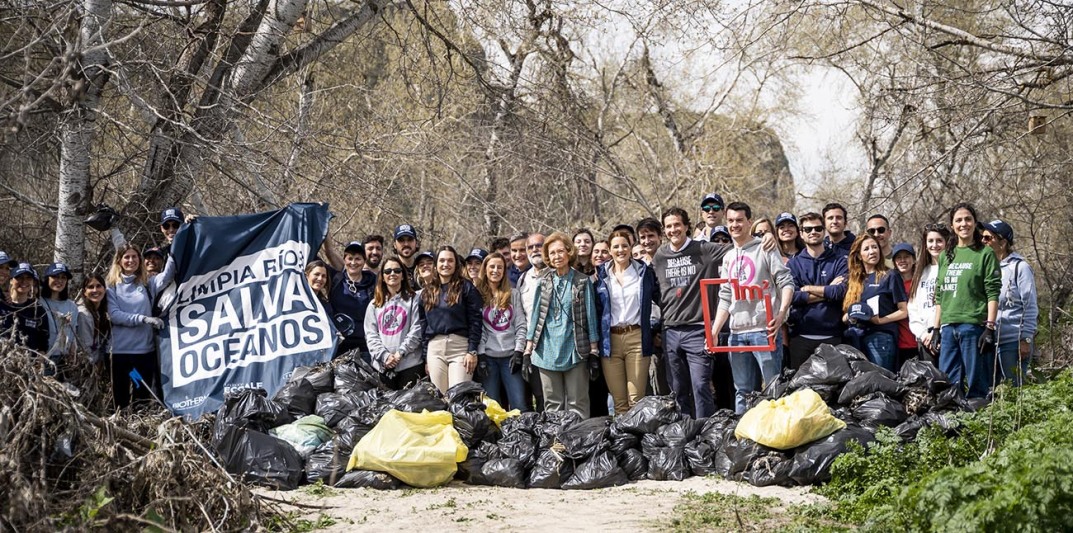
x: 123, y: 388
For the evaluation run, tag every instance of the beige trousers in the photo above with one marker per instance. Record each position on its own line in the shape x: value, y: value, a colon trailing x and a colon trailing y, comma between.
x: 626, y: 371
x: 445, y: 355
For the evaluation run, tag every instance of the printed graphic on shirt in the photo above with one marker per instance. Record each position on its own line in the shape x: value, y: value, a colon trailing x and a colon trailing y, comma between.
x: 953, y: 274
x: 498, y: 319
x: 392, y: 320
x: 743, y: 269
x: 925, y: 292
x: 679, y: 271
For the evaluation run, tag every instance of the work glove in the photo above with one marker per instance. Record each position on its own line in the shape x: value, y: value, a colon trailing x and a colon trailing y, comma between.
x: 986, y: 342
x: 594, y: 367
x: 527, y: 366
x: 934, y: 346
x: 153, y: 321
x: 482, y: 367
x: 516, y: 362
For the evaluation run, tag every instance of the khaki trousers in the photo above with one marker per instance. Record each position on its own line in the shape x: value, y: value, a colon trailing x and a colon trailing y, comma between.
x: 626, y: 371
x: 445, y: 355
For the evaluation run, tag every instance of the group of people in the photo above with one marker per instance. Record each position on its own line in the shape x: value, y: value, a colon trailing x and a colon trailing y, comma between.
x: 592, y: 324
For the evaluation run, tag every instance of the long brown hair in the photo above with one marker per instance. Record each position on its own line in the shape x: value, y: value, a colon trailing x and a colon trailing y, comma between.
x: 497, y: 295
x: 115, y: 273
x: 382, y: 293
x: 317, y: 263
x: 926, y: 259
x: 430, y: 296
x: 857, y: 273
x: 101, y: 323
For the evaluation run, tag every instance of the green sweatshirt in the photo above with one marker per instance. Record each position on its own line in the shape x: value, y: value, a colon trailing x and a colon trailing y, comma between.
x: 966, y: 284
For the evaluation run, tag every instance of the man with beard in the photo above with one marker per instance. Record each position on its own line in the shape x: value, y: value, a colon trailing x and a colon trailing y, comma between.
x: 406, y: 244
x: 527, y: 286
x: 374, y: 251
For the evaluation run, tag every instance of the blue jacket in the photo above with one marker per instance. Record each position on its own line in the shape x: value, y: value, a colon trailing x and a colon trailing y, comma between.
x: 841, y: 247
x: 649, y: 294
x: 1018, y: 309
x: 820, y: 318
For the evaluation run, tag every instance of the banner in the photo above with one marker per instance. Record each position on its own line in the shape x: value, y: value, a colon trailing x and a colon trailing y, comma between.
x: 240, y: 313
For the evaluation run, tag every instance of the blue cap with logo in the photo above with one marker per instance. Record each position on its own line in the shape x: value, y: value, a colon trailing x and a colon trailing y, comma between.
x: 1001, y: 229
x: 171, y: 214
x: 405, y: 230
x: 354, y: 247
x: 427, y: 254
x: 712, y: 198
x: 477, y: 253
x: 903, y: 247
x: 720, y: 230
x: 58, y: 269
x: 860, y: 311
x: 23, y: 269
x: 785, y: 217
x: 153, y: 250
x: 7, y: 260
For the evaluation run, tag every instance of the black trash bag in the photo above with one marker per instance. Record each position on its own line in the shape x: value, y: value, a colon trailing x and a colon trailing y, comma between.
x: 328, y: 462
x: 715, y: 427
x: 368, y: 479
x: 678, y: 434
x: 586, y: 438
x: 734, y: 457
x: 770, y: 469
x: 320, y: 376
x: 466, y: 392
x: 298, y: 397
x: 521, y: 446
x: 249, y: 408
x: 499, y: 473
x: 780, y: 385
x: 370, y: 410
x: 651, y: 442
x: 351, y: 430
x: 472, y: 423
x: 553, y: 423
x: 851, y: 353
x: 261, y: 459
x: 868, y: 383
x: 812, y: 463
x: 351, y: 377
x: 826, y: 366
x: 753, y: 399
x: 828, y: 393
x: 601, y: 470
x: 478, y: 455
x: 843, y: 413
x: 917, y: 373
x: 700, y: 454
x: 421, y: 396
x: 333, y: 407
x: 622, y: 440
x: 528, y: 423
x: 668, y: 463
x: 550, y: 470
x: 864, y: 367
x: 974, y: 404
x: 649, y: 414
x: 877, y: 409
x: 633, y: 462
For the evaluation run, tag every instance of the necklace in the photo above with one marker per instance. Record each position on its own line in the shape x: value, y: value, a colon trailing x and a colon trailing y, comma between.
x: 559, y: 286
x: 352, y: 286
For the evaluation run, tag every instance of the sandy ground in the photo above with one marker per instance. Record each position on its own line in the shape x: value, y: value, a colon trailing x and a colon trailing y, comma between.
x: 459, y: 507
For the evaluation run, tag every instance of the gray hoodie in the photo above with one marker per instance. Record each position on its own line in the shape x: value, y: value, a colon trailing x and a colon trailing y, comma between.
x: 503, y: 329
x: 397, y: 326
x: 751, y: 265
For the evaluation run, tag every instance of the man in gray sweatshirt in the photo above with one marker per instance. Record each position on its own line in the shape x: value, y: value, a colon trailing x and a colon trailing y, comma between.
x: 740, y: 303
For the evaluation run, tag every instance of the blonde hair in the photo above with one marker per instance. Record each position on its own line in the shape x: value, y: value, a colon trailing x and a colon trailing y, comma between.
x: 115, y: 272
x: 559, y: 236
x: 497, y: 295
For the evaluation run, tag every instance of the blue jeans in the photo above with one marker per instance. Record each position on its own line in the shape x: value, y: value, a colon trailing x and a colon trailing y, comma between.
x: 689, y: 369
x: 881, y: 349
x: 499, y: 377
x: 1013, y: 368
x: 753, y: 370
x: 960, y: 360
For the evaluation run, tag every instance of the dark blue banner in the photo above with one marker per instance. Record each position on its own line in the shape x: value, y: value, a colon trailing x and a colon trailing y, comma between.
x: 240, y: 314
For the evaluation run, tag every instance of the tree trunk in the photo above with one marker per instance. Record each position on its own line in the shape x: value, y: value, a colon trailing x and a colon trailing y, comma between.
x: 76, y: 138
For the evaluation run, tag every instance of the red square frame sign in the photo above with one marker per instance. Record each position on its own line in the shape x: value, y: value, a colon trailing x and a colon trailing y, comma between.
x: 741, y: 292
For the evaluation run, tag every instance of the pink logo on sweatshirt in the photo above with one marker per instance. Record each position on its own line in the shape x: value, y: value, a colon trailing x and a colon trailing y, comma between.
x: 498, y: 319
x: 392, y: 320
x: 743, y: 269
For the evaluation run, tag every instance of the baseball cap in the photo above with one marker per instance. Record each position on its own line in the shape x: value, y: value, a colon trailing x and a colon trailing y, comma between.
x: 860, y: 311
x: 720, y: 229
x: 1001, y: 229
x: 405, y: 230
x: 171, y: 214
x: 477, y: 253
x: 23, y: 268
x: 427, y: 254
x: 785, y: 217
x: 712, y: 198
x: 153, y: 250
x: 903, y: 247
x: 58, y: 269
x: 354, y: 247
x: 7, y: 260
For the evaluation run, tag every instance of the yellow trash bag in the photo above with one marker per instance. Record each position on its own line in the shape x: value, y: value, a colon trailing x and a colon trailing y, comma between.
x: 788, y: 422
x: 421, y: 449
x: 496, y: 411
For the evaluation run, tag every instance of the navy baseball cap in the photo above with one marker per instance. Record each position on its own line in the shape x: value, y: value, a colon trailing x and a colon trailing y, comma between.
x: 903, y: 247
x: 354, y: 247
x: 58, y: 269
x: 153, y: 250
x: 171, y: 214
x: 1001, y: 229
x: 23, y: 269
x: 405, y: 230
x: 861, y: 312
x: 7, y: 260
x: 427, y: 254
x: 477, y: 253
x: 720, y: 229
x: 785, y: 217
x: 712, y: 198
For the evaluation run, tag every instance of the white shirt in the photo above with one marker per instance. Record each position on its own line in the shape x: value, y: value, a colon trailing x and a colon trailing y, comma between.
x: 625, y: 297
x: 922, y: 306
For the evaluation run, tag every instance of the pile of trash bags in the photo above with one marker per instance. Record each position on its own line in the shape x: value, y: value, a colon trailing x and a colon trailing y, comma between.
x: 338, y: 425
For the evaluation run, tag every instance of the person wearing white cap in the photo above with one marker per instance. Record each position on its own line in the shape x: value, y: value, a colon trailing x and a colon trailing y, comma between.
x: 1018, y: 309
x: 22, y: 318
x: 62, y: 313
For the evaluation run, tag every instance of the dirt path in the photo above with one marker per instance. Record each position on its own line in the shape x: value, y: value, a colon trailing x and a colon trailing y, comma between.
x: 460, y: 507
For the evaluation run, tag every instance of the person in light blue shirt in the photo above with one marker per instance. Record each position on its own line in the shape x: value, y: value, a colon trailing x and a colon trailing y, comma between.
x: 1018, y: 309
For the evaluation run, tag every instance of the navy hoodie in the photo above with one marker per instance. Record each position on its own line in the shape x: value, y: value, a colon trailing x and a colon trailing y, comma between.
x: 352, y: 303
x: 463, y: 318
x: 842, y: 246
x: 821, y: 318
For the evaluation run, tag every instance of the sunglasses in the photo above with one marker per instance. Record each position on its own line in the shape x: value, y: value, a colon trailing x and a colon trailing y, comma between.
x: 877, y: 231
x: 811, y: 229
x: 987, y: 238
x: 760, y: 234
x: 387, y: 271
x: 711, y: 208
x: 935, y: 227
x: 721, y: 239
x: 170, y: 225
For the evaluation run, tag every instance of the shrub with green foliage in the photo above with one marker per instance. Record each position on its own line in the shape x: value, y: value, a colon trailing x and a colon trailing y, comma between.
x: 1008, y: 467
